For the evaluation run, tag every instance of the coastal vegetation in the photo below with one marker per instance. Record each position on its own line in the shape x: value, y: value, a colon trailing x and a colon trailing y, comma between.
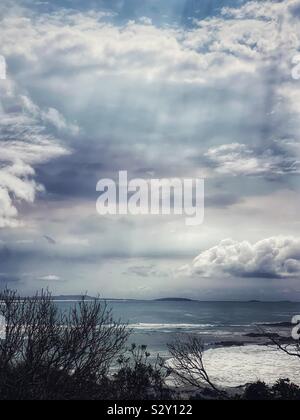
x: 83, y: 354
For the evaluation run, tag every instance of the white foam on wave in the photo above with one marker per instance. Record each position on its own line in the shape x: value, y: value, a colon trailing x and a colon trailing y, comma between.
x: 156, y: 327
x: 236, y: 366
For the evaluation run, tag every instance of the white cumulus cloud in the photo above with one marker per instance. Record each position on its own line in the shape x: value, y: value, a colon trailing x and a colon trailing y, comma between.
x: 24, y: 143
x: 239, y: 41
x: 276, y: 257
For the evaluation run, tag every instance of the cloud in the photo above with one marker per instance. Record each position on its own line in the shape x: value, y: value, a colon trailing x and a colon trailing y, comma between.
x: 146, y: 271
x: 277, y: 257
x: 24, y: 143
x: 216, y: 47
x: 49, y: 116
x: 50, y: 278
x: 135, y: 50
x: 155, y: 84
x: 280, y: 158
x: 266, y: 11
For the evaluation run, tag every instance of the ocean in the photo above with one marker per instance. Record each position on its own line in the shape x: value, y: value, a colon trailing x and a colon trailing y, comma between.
x: 236, y: 353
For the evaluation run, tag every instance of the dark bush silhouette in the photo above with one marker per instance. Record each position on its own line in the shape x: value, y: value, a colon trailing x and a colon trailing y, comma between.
x: 257, y: 392
x: 51, y: 355
x: 283, y: 389
x: 138, y: 378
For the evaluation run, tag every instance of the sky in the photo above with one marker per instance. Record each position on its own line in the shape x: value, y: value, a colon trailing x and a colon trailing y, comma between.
x: 162, y: 89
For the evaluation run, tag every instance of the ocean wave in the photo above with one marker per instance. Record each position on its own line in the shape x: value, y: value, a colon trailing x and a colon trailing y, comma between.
x: 171, y: 326
x: 235, y: 366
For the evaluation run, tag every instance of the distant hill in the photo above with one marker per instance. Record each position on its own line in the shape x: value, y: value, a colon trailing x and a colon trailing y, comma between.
x: 71, y: 297
x: 174, y: 300
x: 80, y: 297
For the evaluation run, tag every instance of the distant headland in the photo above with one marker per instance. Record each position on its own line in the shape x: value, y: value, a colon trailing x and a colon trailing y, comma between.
x: 166, y: 299
x: 174, y: 299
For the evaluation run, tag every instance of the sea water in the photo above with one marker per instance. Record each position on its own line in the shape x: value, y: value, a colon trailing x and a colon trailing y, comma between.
x: 232, y: 356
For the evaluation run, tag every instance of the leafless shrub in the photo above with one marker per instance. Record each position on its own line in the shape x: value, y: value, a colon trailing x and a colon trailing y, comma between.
x: 288, y: 345
x: 48, y: 354
x: 188, y: 367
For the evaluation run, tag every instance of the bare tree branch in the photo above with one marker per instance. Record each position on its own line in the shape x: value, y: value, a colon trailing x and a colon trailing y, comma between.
x: 188, y: 366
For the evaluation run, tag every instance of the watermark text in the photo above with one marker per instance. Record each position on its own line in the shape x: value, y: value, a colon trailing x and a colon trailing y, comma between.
x: 181, y: 197
x: 2, y: 328
x: 296, y: 328
x: 296, y: 68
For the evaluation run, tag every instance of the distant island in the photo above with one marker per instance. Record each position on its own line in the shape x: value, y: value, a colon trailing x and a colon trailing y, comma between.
x: 72, y: 297
x: 80, y: 297
x: 87, y: 297
x: 167, y: 299
x: 174, y: 300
